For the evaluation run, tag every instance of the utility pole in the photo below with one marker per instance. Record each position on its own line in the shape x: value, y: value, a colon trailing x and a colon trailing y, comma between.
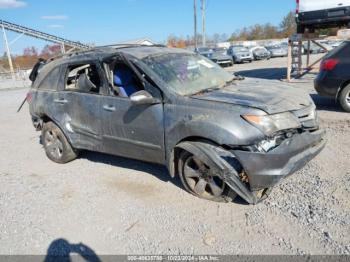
x: 203, y: 8
x: 8, y: 53
x: 195, y: 25
x: 63, y: 49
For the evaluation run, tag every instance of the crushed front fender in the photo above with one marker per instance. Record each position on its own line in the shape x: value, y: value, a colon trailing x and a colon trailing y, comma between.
x: 210, y: 155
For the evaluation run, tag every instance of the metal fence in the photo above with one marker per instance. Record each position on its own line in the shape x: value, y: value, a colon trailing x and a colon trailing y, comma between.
x: 18, y: 79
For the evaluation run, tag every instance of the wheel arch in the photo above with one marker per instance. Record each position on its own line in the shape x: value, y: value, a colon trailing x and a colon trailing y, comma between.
x: 45, y: 118
x: 342, y: 86
x: 176, y: 151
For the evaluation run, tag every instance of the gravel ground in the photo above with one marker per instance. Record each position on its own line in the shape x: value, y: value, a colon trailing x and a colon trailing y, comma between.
x: 120, y: 206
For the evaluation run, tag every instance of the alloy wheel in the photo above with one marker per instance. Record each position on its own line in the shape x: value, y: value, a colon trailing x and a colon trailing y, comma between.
x: 53, y: 144
x: 347, y: 97
x: 201, y: 179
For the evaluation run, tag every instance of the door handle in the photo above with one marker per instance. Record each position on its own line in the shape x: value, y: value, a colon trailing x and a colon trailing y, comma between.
x: 109, y: 108
x: 61, y: 101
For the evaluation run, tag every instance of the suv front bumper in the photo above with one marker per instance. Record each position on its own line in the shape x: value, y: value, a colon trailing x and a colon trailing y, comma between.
x: 264, y: 170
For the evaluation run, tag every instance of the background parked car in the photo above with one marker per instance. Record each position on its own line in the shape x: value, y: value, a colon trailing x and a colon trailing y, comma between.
x: 334, y: 44
x: 260, y: 53
x: 220, y: 56
x: 277, y: 51
x: 315, y: 49
x: 334, y: 77
x: 326, y: 45
x: 204, y: 51
x: 240, y: 54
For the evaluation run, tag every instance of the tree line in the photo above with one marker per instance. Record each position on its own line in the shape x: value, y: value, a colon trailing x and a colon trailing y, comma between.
x: 286, y: 28
x: 30, y: 56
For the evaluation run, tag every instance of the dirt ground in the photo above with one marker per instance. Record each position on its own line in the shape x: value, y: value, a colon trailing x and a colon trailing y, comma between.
x: 120, y: 206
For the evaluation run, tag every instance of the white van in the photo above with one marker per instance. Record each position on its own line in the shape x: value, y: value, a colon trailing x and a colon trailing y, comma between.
x: 312, y: 14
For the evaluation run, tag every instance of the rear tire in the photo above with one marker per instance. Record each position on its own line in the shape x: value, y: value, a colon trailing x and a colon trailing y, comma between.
x: 197, y: 179
x: 344, y: 99
x: 56, y: 145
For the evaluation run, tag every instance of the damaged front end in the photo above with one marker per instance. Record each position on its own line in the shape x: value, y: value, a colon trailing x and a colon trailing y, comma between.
x: 252, y: 171
x: 266, y: 168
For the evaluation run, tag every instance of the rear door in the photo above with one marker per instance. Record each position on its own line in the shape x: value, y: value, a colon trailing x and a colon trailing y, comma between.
x: 82, y: 100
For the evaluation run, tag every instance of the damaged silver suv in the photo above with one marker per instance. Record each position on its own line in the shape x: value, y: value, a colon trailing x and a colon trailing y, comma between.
x: 223, y: 137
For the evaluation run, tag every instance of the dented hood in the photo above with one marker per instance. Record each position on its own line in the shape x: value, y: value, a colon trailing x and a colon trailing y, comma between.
x: 270, y: 96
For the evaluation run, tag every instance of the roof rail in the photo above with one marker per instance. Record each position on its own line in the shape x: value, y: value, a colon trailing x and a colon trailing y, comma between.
x: 129, y: 45
x: 96, y: 48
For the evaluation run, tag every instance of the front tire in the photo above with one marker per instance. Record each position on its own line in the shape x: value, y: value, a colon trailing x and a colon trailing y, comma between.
x: 199, y: 180
x: 56, y: 145
x: 344, y: 99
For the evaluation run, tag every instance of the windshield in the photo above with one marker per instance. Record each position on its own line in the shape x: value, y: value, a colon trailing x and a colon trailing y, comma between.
x: 274, y: 47
x: 220, y: 50
x: 188, y: 74
x: 259, y: 49
x: 203, y: 50
x: 239, y: 49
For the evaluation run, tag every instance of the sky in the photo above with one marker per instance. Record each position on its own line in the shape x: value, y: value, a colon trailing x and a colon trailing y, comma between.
x: 111, y: 21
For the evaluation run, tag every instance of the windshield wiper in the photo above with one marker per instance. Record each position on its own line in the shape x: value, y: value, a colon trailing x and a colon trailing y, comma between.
x: 227, y: 83
x: 207, y: 90
x: 238, y: 77
x: 235, y: 78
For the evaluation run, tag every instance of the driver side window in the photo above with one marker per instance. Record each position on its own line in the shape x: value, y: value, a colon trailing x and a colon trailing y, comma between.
x: 125, y: 81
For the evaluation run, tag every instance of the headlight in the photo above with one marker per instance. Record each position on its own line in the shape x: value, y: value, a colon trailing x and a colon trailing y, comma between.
x: 270, y: 124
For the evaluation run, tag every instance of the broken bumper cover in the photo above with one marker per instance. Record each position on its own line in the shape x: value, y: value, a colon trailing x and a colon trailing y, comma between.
x: 265, y: 170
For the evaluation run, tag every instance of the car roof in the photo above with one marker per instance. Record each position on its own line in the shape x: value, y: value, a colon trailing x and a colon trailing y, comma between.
x: 138, y: 51
x: 145, y: 51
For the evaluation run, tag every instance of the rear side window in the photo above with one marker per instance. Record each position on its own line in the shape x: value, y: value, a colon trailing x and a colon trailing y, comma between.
x: 83, y: 78
x: 51, y: 80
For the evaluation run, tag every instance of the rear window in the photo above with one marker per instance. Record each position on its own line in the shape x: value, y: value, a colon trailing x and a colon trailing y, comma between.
x: 83, y: 78
x: 343, y: 47
x: 240, y: 49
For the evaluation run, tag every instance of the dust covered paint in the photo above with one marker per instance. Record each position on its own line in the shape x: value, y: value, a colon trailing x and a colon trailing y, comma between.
x: 184, y: 112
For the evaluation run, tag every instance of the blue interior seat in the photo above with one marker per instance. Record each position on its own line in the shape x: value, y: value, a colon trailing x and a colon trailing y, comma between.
x: 124, y: 79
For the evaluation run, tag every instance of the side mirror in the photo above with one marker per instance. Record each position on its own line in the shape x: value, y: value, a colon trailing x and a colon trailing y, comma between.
x: 143, y: 98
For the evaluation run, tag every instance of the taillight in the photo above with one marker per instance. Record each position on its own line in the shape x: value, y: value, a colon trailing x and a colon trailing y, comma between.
x: 29, y: 97
x: 297, y: 10
x: 329, y: 64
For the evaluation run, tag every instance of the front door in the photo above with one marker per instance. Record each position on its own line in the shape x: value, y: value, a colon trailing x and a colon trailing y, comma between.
x: 134, y: 131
